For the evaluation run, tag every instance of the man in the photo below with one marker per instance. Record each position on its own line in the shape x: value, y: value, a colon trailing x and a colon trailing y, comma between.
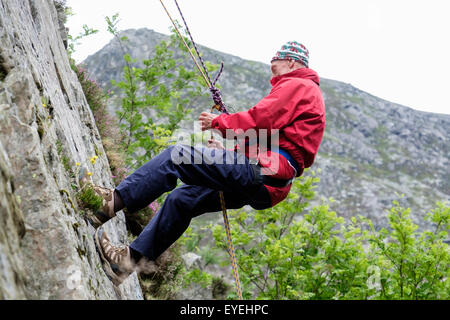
x: 294, y: 111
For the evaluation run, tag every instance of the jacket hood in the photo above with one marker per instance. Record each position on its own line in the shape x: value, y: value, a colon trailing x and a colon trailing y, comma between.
x: 304, y: 73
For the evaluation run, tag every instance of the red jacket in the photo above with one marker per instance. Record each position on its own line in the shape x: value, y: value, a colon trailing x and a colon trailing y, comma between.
x: 296, y: 108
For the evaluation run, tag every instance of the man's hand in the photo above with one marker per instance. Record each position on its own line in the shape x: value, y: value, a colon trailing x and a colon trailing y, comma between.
x: 215, y: 144
x: 206, y: 119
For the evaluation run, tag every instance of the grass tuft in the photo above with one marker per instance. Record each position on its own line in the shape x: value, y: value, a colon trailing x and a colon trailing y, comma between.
x: 89, y: 199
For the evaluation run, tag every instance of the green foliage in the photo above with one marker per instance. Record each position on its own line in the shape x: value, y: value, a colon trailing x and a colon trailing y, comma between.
x: 89, y: 199
x: 73, y: 41
x: 190, y: 240
x: 209, y: 255
x: 76, y: 40
x: 413, y: 265
x: 164, y: 280
x: 197, y: 276
x: 163, y: 88
x: 106, y: 123
x: 290, y: 252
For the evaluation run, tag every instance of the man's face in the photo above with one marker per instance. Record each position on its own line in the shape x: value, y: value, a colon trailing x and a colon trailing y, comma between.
x: 280, y: 67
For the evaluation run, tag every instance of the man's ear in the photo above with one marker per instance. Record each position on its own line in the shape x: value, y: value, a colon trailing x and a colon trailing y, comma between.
x: 291, y: 64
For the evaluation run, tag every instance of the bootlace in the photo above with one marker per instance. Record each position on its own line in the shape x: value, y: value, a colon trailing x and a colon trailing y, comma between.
x: 121, y: 252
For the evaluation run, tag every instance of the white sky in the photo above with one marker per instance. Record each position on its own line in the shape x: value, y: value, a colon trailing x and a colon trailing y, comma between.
x: 398, y: 50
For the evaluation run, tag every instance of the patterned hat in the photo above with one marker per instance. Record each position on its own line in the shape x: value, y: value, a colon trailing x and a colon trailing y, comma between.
x: 295, y: 51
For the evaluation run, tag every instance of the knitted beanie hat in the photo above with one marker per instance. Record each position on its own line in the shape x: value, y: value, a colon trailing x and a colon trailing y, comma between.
x: 295, y: 51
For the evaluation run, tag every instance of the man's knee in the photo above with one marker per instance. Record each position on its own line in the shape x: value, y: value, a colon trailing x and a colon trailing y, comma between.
x: 188, y: 198
x: 179, y: 204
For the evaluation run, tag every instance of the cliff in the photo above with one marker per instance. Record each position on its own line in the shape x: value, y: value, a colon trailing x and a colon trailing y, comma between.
x: 46, y: 127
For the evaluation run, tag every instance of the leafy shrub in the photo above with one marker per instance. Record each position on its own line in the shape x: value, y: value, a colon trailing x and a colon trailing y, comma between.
x: 164, y: 86
x: 163, y: 281
x: 289, y: 252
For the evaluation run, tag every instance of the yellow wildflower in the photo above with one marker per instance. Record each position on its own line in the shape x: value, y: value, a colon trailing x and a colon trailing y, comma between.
x: 94, y: 159
x: 78, y: 164
x: 90, y: 174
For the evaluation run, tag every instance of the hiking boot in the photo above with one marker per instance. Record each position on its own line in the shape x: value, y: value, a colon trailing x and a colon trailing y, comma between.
x: 117, y: 261
x: 106, y: 212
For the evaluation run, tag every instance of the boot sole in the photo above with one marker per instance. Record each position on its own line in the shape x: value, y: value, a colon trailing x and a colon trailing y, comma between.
x: 94, y: 219
x: 115, y: 279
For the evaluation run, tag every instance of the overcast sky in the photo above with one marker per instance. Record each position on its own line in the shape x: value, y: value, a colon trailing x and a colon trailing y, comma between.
x: 398, y: 50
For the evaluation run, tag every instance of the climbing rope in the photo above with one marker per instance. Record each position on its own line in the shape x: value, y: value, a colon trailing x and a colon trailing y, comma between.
x: 220, y: 106
x: 216, y: 95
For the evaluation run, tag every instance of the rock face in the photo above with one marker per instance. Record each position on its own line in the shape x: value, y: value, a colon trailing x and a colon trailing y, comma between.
x: 372, y: 148
x: 46, y: 126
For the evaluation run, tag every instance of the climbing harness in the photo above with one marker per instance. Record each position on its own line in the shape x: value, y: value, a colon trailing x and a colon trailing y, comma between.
x: 220, y: 106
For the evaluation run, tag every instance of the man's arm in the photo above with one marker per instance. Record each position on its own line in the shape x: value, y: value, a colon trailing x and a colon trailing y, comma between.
x: 277, y: 110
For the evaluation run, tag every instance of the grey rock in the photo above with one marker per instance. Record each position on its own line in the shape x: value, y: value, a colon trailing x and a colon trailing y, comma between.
x: 12, y: 230
x: 46, y: 126
x: 192, y: 260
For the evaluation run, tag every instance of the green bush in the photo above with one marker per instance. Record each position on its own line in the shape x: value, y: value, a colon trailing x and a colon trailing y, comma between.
x: 290, y: 252
x: 164, y: 86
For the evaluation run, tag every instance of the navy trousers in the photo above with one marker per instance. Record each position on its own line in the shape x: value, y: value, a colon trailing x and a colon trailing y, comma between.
x: 205, y: 172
